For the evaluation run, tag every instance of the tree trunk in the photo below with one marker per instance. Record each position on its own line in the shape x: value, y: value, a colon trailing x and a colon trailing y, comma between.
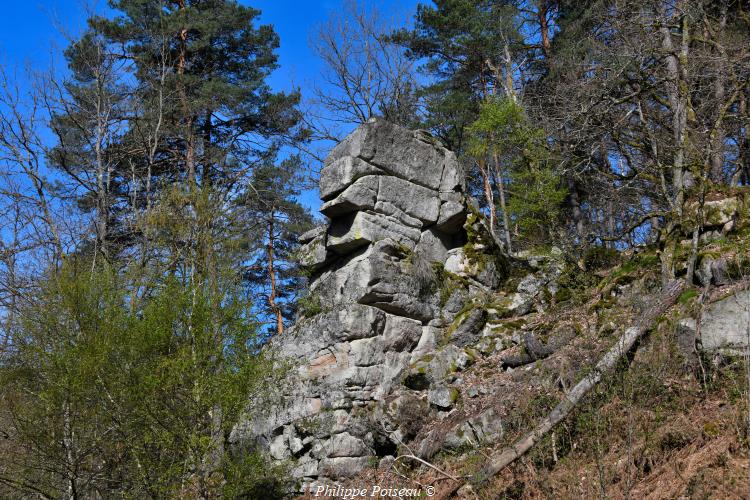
x: 544, y: 29
x: 272, y: 278
x: 624, y: 344
x: 744, y: 159
x: 575, y: 203
x: 68, y: 444
x: 677, y: 93
x: 206, y: 176
x: 102, y: 177
x: 488, y: 195
x: 189, y: 133
x: 718, y: 135
x: 509, y: 84
x: 611, y: 222
x: 501, y: 190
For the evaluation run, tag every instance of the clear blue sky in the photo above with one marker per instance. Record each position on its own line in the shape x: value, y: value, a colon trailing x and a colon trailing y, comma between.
x: 32, y: 33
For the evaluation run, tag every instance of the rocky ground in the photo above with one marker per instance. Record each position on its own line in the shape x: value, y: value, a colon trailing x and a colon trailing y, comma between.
x: 672, y: 422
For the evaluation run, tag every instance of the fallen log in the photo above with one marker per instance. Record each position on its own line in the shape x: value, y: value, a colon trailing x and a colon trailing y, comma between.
x: 624, y: 344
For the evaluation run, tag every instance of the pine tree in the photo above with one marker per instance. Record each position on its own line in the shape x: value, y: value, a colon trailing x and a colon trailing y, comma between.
x: 88, y: 115
x: 472, y: 49
x: 137, y: 369
x: 166, y: 93
x: 507, y: 148
x: 271, y: 208
x: 220, y: 114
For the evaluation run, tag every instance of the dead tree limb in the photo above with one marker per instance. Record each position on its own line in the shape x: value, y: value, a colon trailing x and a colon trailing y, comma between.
x: 660, y: 303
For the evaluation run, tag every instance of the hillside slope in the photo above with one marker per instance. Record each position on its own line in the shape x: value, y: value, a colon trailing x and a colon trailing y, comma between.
x: 424, y: 350
x: 672, y: 421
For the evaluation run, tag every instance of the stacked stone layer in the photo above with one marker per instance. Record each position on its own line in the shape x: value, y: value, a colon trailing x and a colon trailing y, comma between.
x: 397, y: 211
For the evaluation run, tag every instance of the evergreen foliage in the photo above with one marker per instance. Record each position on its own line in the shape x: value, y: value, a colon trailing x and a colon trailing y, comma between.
x: 463, y: 44
x: 148, y: 253
x: 133, y: 356
x: 535, y: 193
x: 108, y: 398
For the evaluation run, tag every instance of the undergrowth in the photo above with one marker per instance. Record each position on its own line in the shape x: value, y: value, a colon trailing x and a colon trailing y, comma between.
x: 634, y: 433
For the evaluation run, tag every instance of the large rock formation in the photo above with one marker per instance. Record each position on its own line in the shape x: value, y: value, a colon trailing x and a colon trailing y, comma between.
x: 415, y: 339
x: 391, y: 272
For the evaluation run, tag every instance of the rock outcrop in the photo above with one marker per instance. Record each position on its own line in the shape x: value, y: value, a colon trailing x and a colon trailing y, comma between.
x: 723, y: 327
x: 417, y: 335
x: 392, y: 271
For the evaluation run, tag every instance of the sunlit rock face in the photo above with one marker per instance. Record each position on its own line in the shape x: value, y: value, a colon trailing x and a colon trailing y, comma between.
x: 724, y: 327
x: 379, y: 302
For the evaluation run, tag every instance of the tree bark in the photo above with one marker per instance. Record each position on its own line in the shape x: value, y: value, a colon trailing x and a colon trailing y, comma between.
x: 677, y: 93
x: 744, y: 159
x: 542, y: 11
x: 575, y: 203
x: 718, y: 135
x: 611, y: 222
x: 488, y: 195
x: 189, y: 133
x: 509, y: 84
x: 102, y: 169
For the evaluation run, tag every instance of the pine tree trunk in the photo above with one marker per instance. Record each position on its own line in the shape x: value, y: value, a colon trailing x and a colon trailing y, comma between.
x: 544, y: 29
x: 272, y: 278
x: 189, y: 135
x: 509, y: 84
x: 488, y: 195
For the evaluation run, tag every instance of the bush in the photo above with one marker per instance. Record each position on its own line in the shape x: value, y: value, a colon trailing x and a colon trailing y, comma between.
x: 118, y: 396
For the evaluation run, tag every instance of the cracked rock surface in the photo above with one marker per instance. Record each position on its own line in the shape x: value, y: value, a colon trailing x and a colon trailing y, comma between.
x: 397, y: 212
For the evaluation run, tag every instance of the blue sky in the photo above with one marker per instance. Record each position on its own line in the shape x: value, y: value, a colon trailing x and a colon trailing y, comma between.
x: 33, y: 33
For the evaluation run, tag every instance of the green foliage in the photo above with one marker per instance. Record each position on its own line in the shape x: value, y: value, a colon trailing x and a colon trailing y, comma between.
x: 271, y: 206
x: 502, y: 133
x: 536, y: 208
x: 164, y: 93
x: 632, y: 268
x: 447, y: 283
x: 738, y: 267
x: 456, y: 39
x: 218, y: 59
x: 688, y: 295
x: 480, y: 247
x: 126, y: 380
x: 501, y: 125
x: 309, y: 305
x: 600, y: 257
x: 573, y: 284
x: 134, y: 401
